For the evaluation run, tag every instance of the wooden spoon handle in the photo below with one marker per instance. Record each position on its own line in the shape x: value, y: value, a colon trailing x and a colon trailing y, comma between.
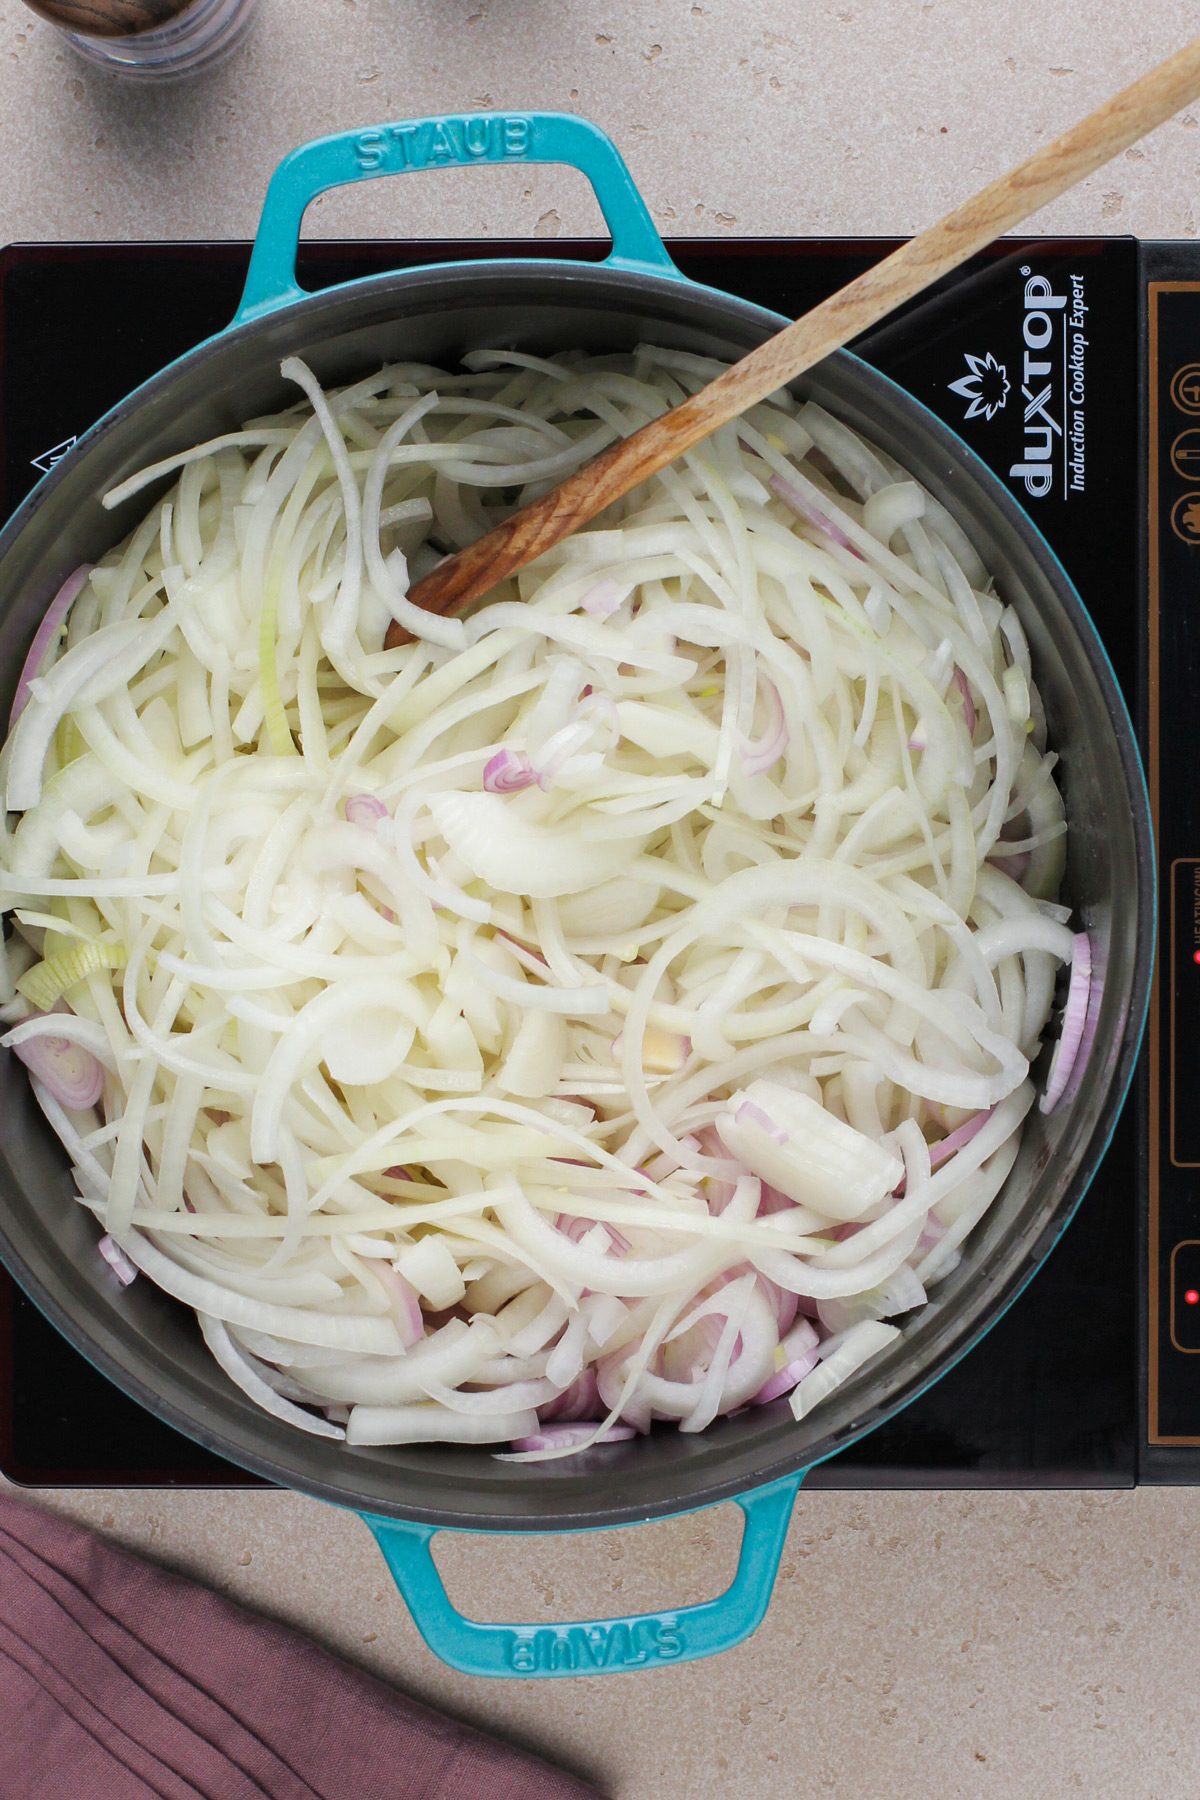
x: 109, y: 18
x: 1048, y: 173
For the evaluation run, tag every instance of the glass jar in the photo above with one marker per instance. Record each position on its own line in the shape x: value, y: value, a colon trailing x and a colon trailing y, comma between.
x: 200, y: 35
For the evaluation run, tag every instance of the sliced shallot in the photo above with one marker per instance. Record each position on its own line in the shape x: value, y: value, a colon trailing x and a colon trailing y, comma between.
x: 117, y: 1260
x: 45, y: 635
x: 71, y: 1073
x: 568, y: 1437
x: 1074, y: 1019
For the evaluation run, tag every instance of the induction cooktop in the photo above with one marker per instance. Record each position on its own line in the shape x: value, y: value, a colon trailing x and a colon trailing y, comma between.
x: 1073, y: 368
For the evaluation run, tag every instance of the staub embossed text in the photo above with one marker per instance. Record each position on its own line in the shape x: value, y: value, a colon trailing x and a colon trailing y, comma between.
x: 482, y: 137
x: 614, y: 1643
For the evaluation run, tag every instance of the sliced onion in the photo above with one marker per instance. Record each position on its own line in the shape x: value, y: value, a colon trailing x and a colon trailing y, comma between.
x: 839, y: 1361
x: 964, y: 688
x: 1074, y: 1018
x: 933, y: 1230
x: 508, y: 772
x: 791, y: 495
x: 593, y: 700
x: 63, y: 1023
x: 610, y: 1379
x: 406, y: 1308
x: 579, y: 1401
x: 602, y: 600
x: 942, y: 1151
x: 772, y: 1201
x: 796, y: 1353
x: 516, y: 1396
x: 899, y: 1294
x: 785, y: 1380
x: 242, y: 1371
x: 564, y: 1364
x: 606, y: 1313
x: 559, y: 749
x: 430, y: 1424
x: 763, y: 753
x: 566, y: 1437
x: 785, y: 1303
x: 749, y: 1114
x: 117, y: 1260
x: 1011, y: 862
x: 365, y: 809
x: 743, y: 1353
x: 622, y: 873
x: 46, y: 632
x: 576, y: 1227
x: 351, y: 1333
x: 71, y: 1073
x: 523, y: 856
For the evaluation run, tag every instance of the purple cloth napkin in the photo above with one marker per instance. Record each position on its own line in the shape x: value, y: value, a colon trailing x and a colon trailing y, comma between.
x: 120, y: 1681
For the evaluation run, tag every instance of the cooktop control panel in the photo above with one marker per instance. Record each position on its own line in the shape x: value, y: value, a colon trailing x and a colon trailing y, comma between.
x: 1171, y: 1339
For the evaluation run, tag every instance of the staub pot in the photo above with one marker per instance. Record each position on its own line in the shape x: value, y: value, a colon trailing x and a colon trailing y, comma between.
x: 149, y: 1345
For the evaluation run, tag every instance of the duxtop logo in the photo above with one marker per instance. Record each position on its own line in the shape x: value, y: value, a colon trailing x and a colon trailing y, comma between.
x: 1043, y: 310
x: 986, y: 386
x: 1049, y: 365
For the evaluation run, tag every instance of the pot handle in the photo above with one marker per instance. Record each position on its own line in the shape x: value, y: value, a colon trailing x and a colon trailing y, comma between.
x: 599, y: 1646
x: 439, y: 143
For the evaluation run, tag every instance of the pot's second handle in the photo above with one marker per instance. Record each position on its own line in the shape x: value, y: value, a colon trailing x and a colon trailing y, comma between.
x: 454, y: 140
x: 600, y: 1646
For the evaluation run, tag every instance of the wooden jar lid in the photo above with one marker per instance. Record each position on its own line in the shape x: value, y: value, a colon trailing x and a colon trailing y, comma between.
x: 109, y: 18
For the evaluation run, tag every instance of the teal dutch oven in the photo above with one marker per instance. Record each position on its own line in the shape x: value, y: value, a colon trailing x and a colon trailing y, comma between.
x: 148, y: 1344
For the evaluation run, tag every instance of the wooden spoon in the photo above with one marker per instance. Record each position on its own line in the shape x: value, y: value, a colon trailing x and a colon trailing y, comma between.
x: 863, y: 302
x: 109, y: 18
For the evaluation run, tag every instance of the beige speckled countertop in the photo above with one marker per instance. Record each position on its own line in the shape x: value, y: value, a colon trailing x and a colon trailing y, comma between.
x: 1010, y: 1645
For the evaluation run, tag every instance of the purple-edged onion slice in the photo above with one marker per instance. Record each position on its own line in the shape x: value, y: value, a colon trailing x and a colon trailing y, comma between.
x: 964, y: 688
x: 931, y: 1232
x: 798, y: 1352
x: 764, y: 752
x: 577, y: 1228
x: 566, y: 1437
x: 70, y: 1073
x: 47, y: 631
x: 508, y: 772
x: 366, y: 810
x: 579, y: 1401
x: 1074, y: 1019
x: 786, y: 1379
x: 406, y: 1308
x: 790, y: 494
x: 117, y: 1261
x: 940, y: 1152
x: 602, y: 600
x: 749, y: 1114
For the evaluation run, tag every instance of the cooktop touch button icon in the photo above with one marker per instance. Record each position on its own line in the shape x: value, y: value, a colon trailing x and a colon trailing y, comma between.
x: 1185, y: 388
x: 1185, y: 518
x: 1185, y: 454
x: 1185, y: 1296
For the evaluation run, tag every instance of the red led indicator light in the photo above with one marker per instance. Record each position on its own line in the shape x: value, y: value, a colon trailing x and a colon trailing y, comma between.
x: 1192, y: 1297
x: 1196, y: 956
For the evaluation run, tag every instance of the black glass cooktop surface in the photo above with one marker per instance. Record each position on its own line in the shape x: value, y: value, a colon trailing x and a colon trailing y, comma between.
x: 1032, y: 354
